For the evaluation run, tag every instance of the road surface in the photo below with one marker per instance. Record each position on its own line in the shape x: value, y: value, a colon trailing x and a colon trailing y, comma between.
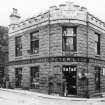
x: 22, y: 97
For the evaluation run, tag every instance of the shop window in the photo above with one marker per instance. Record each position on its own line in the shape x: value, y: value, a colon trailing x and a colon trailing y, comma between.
x: 35, y: 42
x: 103, y: 71
x: 1, y: 73
x: 35, y: 77
x: 97, y: 44
x: 97, y: 78
x: 69, y: 38
x: 18, y: 46
x: 18, y: 77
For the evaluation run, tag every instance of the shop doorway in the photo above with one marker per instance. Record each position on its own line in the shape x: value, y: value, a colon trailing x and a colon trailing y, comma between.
x: 70, y: 79
x: 18, y: 77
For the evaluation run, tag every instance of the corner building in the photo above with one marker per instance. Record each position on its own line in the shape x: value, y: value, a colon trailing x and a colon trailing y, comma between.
x: 61, y: 51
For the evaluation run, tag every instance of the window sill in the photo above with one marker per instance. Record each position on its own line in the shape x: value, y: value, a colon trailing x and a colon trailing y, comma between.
x: 97, y: 55
x: 34, y: 54
x: 75, y: 52
x: 18, y: 58
x: 70, y: 53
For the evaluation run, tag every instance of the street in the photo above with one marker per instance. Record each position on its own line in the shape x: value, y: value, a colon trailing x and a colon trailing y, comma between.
x: 21, y: 97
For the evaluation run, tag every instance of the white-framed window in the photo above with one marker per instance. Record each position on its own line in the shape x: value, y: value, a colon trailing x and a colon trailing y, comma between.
x: 35, y: 42
x: 18, y: 46
x: 69, y: 38
x: 103, y: 71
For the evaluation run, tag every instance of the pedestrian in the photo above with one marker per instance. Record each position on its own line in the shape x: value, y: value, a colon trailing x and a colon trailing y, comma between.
x: 65, y: 87
x: 4, y: 82
x: 7, y: 84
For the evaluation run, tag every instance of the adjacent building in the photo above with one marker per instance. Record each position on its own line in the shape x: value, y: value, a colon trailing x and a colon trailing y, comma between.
x: 3, y: 52
x: 61, y: 51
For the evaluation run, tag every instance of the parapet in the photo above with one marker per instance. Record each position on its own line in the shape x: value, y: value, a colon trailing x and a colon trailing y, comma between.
x: 64, y: 11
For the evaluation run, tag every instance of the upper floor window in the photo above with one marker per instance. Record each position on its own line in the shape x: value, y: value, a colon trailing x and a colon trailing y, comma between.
x: 97, y: 43
x: 35, y: 42
x: 18, y: 46
x: 69, y: 38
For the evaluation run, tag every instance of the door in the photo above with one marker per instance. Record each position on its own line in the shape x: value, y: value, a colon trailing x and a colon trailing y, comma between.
x: 18, y: 77
x: 1, y: 76
x: 34, y: 77
x: 69, y: 73
x: 97, y: 79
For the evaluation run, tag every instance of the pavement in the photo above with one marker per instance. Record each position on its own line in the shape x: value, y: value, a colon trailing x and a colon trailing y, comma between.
x: 23, y: 97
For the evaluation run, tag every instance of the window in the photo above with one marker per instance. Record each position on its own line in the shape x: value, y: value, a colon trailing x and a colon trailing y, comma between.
x: 18, y: 46
x: 97, y: 78
x: 97, y: 44
x: 103, y: 71
x: 1, y: 72
x: 18, y: 77
x: 69, y: 38
x: 35, y: 42
x: 35, y: 77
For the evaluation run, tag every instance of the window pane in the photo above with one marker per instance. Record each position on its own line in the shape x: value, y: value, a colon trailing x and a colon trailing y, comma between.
x: 35, y: 42
x: 96, y: 38
x: 18, y: 40
x: 69, y: 38
x: 75, y: 43
x: 95, y: 48
x: 97, y: 43
x: 35, y: 46
x: 35, y: 35
x: 69, y: 43
x: 98, y: 48
x: 18, y: 46
x: 69, y: 32
x: 64, y: 33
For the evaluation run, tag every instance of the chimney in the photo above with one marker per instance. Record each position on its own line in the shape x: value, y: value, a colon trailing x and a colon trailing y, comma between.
x: 14, y: 17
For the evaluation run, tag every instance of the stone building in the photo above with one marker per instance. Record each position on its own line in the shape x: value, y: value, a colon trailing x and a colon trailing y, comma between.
x: 61, y: 51
x: 3, y: 52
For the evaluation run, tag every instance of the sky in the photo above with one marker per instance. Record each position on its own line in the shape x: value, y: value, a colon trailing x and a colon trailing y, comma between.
x: 28, y: 8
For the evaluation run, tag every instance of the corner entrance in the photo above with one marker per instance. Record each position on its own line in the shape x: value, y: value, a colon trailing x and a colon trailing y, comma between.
x: 70, y: 78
